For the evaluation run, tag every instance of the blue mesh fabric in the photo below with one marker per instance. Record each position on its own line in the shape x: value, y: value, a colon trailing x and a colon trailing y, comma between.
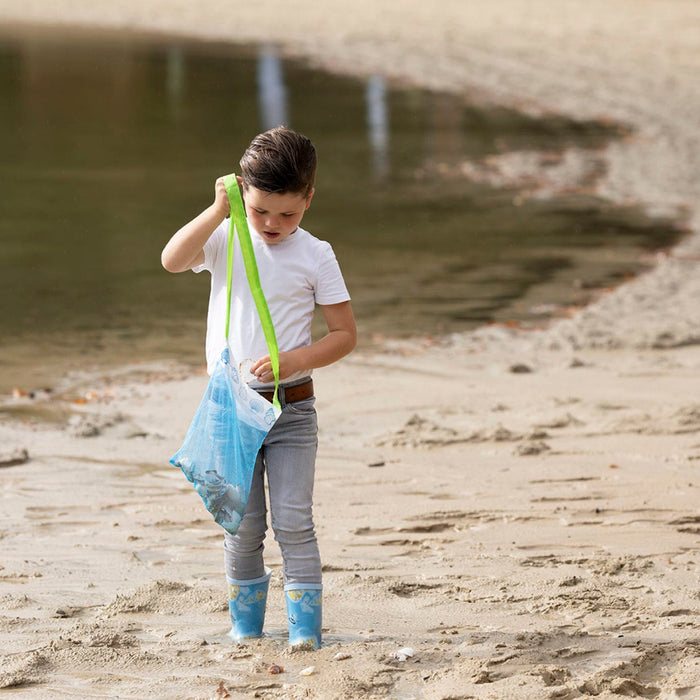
x: 220, y: 448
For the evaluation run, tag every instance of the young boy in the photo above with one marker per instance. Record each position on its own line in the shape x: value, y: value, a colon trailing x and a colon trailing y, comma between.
x: 297, y: 271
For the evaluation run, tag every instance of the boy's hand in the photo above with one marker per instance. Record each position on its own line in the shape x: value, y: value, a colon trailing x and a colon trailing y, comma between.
x: 221, y: 202
x: 185, y: 249
x: 340, y: 340
x: 262, y: 369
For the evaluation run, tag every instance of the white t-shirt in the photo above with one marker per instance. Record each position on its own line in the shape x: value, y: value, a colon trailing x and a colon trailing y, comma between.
x: 295, y: 275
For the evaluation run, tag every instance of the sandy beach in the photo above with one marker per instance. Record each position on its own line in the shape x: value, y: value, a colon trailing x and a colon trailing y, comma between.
x: 519, y: 508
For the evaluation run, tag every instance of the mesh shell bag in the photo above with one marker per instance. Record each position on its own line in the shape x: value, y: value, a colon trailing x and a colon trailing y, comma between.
x: 220, y: 448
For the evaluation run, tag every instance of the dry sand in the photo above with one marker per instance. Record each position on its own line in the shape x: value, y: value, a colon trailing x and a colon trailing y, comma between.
x: 530, y: 534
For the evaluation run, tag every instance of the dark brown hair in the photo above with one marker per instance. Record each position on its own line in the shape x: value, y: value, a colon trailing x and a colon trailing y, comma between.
x: 280, y: 160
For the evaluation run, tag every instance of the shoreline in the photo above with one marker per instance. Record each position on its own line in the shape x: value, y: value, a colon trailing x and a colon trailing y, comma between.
x: 508, y: 170
x: 519, y: 508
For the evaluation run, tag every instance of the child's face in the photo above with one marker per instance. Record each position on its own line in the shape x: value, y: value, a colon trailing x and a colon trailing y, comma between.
x: 274, y: 216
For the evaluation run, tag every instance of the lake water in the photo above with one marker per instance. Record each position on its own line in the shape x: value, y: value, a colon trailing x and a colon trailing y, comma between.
x: 111, y: 142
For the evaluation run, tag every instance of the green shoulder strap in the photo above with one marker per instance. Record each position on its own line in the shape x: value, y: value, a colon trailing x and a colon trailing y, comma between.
x: 240, y: 224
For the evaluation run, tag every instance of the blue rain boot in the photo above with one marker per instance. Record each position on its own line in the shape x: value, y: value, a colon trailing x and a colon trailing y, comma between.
x: 304, y: 613
x: 246, y: 605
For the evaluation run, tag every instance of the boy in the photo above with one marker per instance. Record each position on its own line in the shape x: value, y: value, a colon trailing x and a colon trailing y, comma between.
x: 297, y: 271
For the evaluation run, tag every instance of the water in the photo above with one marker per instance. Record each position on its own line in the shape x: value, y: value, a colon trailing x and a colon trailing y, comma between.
x: 111, y: 142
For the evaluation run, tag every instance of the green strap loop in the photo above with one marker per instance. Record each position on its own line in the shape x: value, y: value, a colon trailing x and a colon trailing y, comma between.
x: 240, y: 224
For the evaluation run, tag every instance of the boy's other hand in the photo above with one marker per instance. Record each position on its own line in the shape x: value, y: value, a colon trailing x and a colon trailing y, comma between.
x: 262, y: 369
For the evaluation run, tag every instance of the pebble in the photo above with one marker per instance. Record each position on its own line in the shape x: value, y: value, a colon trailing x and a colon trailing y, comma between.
x: 275, y: 669
x: 308, y: 671
x: 403, y: 654
x: 342, y: 655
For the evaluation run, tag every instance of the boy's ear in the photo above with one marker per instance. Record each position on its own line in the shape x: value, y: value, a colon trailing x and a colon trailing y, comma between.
x: 308, y: 199
x: 239, y: 179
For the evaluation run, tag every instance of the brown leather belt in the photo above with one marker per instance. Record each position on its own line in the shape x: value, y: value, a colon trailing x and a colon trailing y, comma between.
x: 292, y: 394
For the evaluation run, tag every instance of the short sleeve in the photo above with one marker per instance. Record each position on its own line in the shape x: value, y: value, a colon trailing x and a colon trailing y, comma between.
x: 330, y: 285
x: 213, y: 247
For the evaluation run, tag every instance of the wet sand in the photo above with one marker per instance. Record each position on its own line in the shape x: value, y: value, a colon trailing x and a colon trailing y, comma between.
x: 519, y: 508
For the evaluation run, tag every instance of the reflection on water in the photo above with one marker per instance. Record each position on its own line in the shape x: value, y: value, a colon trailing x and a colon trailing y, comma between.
x: 272, y: 92
x: 378, y: 124
x: 111, y: 143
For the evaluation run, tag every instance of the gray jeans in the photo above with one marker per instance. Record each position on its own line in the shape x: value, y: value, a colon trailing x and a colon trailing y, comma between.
x: 287, y: 459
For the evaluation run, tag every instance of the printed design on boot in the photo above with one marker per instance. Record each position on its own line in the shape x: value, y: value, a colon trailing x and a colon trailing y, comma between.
x: 245, y: 595
x: 307, y: 598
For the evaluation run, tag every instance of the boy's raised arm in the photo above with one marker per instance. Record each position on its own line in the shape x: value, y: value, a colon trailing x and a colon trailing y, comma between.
x: 185, y: 249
